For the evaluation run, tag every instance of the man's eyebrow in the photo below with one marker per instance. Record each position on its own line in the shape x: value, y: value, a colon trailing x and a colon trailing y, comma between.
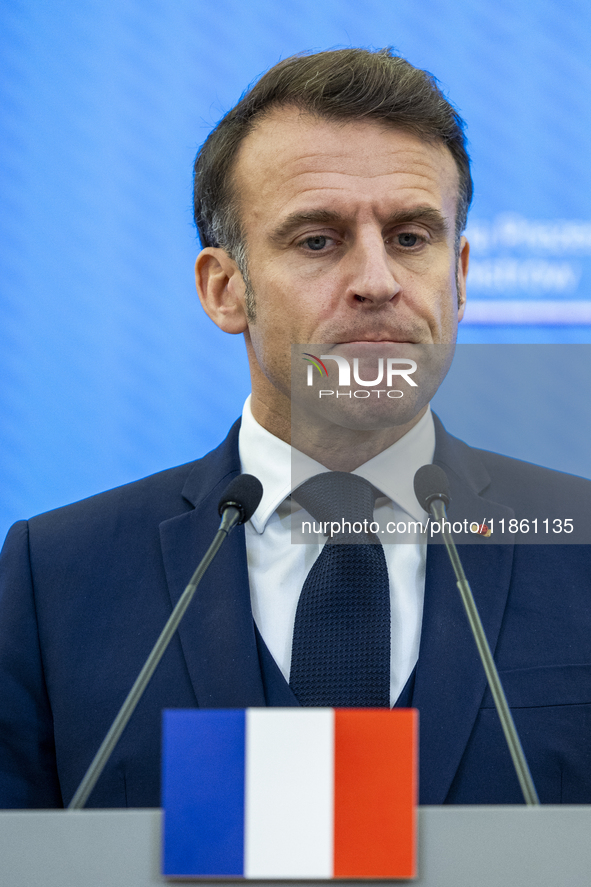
x: 297, y: 219
x: 425, y: 214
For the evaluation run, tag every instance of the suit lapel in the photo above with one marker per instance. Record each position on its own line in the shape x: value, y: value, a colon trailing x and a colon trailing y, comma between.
x: 217, y: 632
x: 450, y: 680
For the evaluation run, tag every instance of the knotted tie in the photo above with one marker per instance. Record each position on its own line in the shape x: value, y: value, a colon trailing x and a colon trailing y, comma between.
x: 341, y: 640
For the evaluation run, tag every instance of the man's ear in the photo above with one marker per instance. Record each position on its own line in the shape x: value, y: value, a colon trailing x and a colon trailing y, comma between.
x: 221, y: 289
x: 463, y: 262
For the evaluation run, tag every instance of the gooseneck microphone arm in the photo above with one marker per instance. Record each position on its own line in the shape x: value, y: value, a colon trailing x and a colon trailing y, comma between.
x: 236, y: 506
x: 432, y: 491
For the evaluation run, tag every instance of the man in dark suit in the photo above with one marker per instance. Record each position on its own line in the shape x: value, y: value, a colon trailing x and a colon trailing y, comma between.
x: 331, y: 203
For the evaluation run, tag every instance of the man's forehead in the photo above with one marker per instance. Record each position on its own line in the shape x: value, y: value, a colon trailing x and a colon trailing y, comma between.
x: 293, y: 155
x: 279, y: 124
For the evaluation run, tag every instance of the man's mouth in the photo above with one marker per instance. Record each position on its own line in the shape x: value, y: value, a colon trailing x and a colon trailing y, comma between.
x: 372, y: 347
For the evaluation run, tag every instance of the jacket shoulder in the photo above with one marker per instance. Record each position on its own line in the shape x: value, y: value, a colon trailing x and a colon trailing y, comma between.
x: 518, y: 483
x: 154, y: 498
x: 516, y: 476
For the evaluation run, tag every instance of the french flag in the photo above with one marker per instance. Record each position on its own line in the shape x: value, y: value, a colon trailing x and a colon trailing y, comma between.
x: 290, y: 793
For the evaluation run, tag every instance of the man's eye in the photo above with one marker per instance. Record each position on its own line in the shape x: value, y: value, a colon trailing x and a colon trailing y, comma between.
x: 408, y: 239
x: 316, y: 243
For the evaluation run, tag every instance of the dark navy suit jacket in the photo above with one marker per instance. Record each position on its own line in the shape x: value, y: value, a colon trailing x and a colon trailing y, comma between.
x: 86, y: 590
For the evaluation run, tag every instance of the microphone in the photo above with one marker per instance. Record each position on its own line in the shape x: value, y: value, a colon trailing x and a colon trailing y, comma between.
x: 431, y: 483
x: 432, y: 491
x: 237, y: 505
x: 242, y: 494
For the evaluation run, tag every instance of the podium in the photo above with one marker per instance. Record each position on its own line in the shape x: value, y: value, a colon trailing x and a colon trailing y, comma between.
x: 467, y: 846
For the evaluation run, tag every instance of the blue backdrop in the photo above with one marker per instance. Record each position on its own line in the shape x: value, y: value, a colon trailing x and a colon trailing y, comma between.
x: 109, y: 370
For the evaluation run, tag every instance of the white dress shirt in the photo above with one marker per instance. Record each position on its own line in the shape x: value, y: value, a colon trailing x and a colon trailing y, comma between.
x: 277, y: 567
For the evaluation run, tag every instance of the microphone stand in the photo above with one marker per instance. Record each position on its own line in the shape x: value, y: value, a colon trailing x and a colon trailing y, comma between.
x: 231, y: 516
x: 437, y: 508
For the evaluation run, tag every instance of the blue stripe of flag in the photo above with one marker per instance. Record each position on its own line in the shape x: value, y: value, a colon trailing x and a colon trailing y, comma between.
x: 203, y: 759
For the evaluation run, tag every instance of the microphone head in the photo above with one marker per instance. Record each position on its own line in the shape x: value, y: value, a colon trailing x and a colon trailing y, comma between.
x: 431, y: 483
x: 244, y: 493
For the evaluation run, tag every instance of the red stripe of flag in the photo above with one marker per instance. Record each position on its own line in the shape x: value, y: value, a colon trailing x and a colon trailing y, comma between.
x: 375, y: 793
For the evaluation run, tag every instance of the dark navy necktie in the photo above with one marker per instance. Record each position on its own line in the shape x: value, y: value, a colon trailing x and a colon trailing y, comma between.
x: 341, y: 640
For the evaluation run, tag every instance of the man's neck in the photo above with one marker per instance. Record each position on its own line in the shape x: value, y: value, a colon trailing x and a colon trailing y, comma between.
x: 337, y: 448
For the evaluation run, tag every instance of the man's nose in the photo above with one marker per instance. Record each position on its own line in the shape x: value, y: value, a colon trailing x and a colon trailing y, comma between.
x: 372, y: 271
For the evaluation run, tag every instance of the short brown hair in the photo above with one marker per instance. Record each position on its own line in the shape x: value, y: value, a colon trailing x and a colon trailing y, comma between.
x: 342, y: 84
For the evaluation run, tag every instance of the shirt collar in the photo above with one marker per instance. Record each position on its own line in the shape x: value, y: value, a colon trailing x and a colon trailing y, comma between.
x: 391, y: 472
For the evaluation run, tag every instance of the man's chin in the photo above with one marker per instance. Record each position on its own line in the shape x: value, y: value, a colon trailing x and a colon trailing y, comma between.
x: 367, y: 414
x: 366, y: 387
